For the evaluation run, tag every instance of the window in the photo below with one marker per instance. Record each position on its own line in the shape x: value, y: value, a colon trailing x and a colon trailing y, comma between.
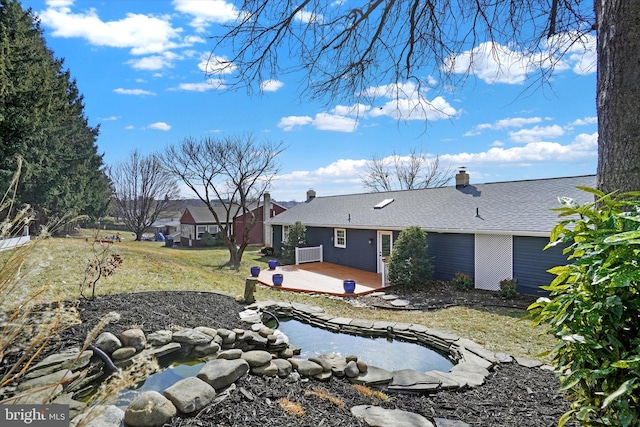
x: 285, y: 232
x: 213, y: 230
x: 186, y: 231
x: 200, y: 230
x: 339, y: 237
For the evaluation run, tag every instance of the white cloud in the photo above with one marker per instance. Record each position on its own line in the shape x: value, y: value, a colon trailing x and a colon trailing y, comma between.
x: 584, y: 146
x: 407, y: 102
x: 159, y: 126
x: 325, y: 121
x: 322, y: 121
x: 205, y: 12
x: 496, y: 63
x: 341, y: 168
x: 137, y: 92
x: 129, y: 127
x: 211, y: 64
x: 585, y: 121
x: 516, y: 122
x: 536, y: 133
x: 109, y: 119
x: 155, y: 62
x: 198, y: 87
x: 143, y: 34
x: 289, y: 123
x: 309, y: 17
x: 271, y: 85
x: 357, y: 110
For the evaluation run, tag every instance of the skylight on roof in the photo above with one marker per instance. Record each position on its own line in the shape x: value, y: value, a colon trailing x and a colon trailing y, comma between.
x: 383, y: 203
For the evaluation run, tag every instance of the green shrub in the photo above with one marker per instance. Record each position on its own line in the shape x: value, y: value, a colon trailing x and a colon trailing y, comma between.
x: 462, y: 282
x: 267, y: 251
x: 594, y: 309
x: 508, y: 289
x: 212, y: 240
x: 410, y: 262
x: 296, y: 238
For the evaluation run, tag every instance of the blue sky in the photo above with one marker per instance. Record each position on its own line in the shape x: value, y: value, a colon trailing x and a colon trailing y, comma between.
x: 140, y: 66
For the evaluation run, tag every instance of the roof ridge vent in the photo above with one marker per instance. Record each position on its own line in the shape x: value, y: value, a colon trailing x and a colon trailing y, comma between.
x: 383, y: 203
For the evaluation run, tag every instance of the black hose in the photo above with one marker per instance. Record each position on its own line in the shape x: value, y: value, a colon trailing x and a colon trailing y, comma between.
x: 105, y: 358
x: 273, y: 316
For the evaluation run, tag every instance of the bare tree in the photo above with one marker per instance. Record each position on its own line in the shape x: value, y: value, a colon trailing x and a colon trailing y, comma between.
x: 142, y: 190
x: 410, y: 172
x: 345, y: 50
x: 233, y: 172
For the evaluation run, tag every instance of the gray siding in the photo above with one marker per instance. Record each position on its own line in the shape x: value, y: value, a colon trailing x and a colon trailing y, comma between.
x: 531, y: 262
x: 277, y: 238
x: 451, y: 253
x: 358, y: 253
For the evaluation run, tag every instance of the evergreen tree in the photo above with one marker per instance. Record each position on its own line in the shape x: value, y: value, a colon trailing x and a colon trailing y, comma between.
x: 410, y: 262
x: 42, y: 119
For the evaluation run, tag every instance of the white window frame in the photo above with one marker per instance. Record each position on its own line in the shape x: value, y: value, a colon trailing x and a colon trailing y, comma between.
x: 340, y: 237
x: 186, y: 231
x: 213, y: 230
x: 200, y: 230
x: 285, y: 232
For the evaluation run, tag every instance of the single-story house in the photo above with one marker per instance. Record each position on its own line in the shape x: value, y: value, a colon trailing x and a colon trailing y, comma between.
x: 491, y: 232
x: 196, y: 220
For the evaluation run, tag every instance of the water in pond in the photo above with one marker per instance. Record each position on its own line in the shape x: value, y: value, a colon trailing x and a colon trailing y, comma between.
x: 381, y: 352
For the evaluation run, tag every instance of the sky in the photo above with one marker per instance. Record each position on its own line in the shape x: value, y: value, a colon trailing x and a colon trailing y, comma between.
x: 140, y: 65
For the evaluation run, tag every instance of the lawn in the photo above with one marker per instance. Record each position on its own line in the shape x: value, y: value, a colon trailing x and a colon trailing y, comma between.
x: 58, y: 264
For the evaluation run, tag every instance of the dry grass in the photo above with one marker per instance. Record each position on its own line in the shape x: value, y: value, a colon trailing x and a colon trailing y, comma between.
x: 323, y: 394
x: 150, y: 266
x: 291, y: 407
x: 366, y: 391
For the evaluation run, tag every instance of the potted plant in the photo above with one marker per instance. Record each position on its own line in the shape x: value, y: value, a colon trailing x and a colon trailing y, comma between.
x: 277, y: 279
x: 255, y: 271
x: 349, y: 285
x: 272, y: 264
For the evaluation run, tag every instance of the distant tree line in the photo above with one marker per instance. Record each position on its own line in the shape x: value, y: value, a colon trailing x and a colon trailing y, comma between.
x: 42, y: 120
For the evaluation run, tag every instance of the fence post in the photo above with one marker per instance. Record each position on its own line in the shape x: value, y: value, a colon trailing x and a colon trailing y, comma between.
x: 321, y: 253
x: 297, y: 256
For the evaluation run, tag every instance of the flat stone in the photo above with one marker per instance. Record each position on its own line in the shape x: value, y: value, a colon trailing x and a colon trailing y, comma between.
x: 39, y: 397
x: 268, y: 370
x: 208, y: 349
x: 443, y: 422
x: 407, y: 377
x: 376, y: 416
x: 191, y: 337
x: 447, y: 381
x: 373, y: 376
x: 207, y: 330
x: 161, y: 337
x: 220, y: 373
x: 470, y: 357
x: 100, y: 416
x: 123, y: 353
x: 55, y: 362
x: 165, y: 349
x: 389, y: 297
x: 149, y: 409
x: 257, y: 358
x: 528, y: 363
x: 361, y: 323
x: 58, y: 377
x: 341, y: 321
x: 376, y: 294
x: 383, y: 325
x: 503, y: 358
x: 400, y: 302
x: 307, y: 368
x: 190, y: 394
x: 230, y: 354
x: 323, y: 376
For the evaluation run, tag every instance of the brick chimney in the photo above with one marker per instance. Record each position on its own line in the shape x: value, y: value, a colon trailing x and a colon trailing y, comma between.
x: 311, y: 194
x: 462, y: 178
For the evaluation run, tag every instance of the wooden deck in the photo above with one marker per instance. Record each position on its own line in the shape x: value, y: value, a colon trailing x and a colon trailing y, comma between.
x: 322, y: 277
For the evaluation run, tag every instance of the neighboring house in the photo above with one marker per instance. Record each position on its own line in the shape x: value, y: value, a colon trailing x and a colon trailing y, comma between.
x: 166, y: 226
x: 196, y: 220
x: 259, y: 234
x: 491, y: 231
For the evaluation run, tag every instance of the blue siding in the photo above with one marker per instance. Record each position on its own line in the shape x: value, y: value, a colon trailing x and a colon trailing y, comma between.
x: 358, y: 253
x: 451, y: 253
x: 531, y: 262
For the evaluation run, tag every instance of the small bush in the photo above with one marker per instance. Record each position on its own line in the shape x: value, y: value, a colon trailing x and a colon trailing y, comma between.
x: 508, y: 288
x: 212, y: 240
x: 462, y: 282
x: 267, y: 251
x: 296, y: 238
x: 410, y: 263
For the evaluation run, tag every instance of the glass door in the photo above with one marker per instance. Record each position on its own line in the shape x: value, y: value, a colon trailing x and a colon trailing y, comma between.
x: 385, y: 246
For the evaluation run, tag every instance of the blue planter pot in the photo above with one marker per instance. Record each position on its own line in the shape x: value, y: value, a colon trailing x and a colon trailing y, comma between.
x: 349, y: 285
x: 272, y: 264
x: 277, y: 279
x: 255, y: 271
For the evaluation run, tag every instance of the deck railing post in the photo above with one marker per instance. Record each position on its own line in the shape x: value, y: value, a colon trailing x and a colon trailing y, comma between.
x: 297, y: 255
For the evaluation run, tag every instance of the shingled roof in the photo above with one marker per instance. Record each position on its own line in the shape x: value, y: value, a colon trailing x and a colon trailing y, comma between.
x: 514, y: 207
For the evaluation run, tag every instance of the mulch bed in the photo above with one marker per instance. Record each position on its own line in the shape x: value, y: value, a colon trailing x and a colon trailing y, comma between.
x: 512, y: 395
